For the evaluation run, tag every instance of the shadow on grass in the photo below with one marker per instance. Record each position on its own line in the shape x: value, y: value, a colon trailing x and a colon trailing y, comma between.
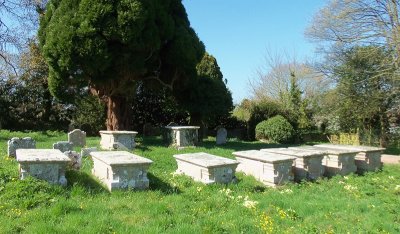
x: 86, y: 181
x: 158, y: 185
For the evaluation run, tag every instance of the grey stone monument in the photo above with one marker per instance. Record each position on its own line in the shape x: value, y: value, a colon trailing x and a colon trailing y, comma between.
x: 77, y: 137
x: 19, y: 143
x: 76, y: 160
x: 221, y: 136
x: 63, y: 146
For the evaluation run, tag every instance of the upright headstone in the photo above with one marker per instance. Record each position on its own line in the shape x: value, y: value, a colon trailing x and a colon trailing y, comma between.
x: 19, y: 143
x: 77, y: 137
x: 221, y: 136
x: 76, y: 160
x: 63, y: 146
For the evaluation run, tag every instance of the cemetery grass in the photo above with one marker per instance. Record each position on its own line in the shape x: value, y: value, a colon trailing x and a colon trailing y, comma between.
x: 176, y: 204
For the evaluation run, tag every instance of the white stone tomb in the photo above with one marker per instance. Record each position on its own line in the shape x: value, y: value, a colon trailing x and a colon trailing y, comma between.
x: 182, y: 136
x: 308, y: 164
x: 367, y: 159
x: 121, y: 169
x: 206, y: 168
x: 117, y: 140
x: 270, y: 168
x: 336, y: 161
x: 45, y: 164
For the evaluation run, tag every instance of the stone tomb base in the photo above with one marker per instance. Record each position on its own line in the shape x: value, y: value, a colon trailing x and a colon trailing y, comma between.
x: 121, y: 169
x: 336, y: 161
x: 367, y: 159
x: 308, y: 164
x: 206, y: 168
x: 117, y: 140
x: 269, y: 168
x: 181, y: 136
x: 45, y: 164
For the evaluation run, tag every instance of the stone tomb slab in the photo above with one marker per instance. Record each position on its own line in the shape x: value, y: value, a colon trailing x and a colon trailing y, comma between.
x: 336, y: 161
x: 367, y: 159
x: 270, y: 168
x: 121, y: 169
x: 117, y: 140
x: 45, y: 164
x: 182, y: 136
x: 308, y: 164
x: 206, y: 168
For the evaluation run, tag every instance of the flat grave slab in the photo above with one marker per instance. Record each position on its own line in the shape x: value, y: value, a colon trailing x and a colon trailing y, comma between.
x: 308, y: 164
x: 121, y: 169
x: 181, y: 136
x: 45, y: 164
x: 206, y: 168
x: 336, y: 161
x: 270, y: 168
x: 368, y: 158
x: 117, y: 140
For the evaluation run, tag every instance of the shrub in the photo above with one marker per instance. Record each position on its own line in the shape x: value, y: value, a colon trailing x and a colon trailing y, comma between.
x: 276, y: 129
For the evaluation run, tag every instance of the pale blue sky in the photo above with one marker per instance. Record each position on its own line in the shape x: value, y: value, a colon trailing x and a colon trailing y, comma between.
x: 238, y: 33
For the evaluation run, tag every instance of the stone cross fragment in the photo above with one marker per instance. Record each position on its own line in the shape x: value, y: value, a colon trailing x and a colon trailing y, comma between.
x: 63, y: 146
x: 76, y: 160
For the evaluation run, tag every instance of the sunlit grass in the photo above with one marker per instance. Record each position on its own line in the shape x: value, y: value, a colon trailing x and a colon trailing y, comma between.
x: 177, y: 204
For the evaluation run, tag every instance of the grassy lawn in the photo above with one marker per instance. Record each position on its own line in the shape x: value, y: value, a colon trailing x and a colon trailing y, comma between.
x: 175, y: 204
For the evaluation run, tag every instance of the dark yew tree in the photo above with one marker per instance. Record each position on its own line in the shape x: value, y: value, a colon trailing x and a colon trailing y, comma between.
x: 111, y: 45
x: 206, y: 98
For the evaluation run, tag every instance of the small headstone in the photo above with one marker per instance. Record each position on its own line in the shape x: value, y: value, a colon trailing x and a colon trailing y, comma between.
x: 221, y: 136
x: 86, y: 151
x: 77, y: 137
x: 63, y: 146
x: 19, y: 143
x: 76, y: 160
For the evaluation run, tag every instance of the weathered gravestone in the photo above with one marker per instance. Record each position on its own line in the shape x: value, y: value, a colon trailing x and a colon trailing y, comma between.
x: 86, y: 151
x: 19, y: 143
x: 221, y: 136
x: 63, y: 146
x: 77, y: 137
x: 76, y: 160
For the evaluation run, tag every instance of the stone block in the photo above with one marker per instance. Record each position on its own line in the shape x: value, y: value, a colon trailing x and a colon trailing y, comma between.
x: 19, y: 143
x: 222, y: 133
x: 45, y: 164
x: 76, y: 160
x: 206, y: 168
x: 86, y: 151
x: 336, y: 161
x: 308, y: 164
x: 117, y: 140
x: 181, y: 136
x: 63, y: 146
x: 121, y: 169
x: 367, y: 159
x: 77, y: 137
x: 269, y: 168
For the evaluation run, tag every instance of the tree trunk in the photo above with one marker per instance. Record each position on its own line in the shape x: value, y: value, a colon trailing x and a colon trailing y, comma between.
x: 118, y: 113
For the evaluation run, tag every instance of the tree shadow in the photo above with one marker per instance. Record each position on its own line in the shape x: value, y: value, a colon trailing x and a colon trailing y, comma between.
x: 85, y: 180
x: 156, y: 184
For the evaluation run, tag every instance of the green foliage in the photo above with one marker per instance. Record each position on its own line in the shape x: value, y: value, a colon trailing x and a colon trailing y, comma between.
x: 276, y: 129
x: 113, y: 44
x: 89, y: 115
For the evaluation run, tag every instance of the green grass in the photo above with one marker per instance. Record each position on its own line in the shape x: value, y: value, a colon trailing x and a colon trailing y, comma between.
x: 176, y: 204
